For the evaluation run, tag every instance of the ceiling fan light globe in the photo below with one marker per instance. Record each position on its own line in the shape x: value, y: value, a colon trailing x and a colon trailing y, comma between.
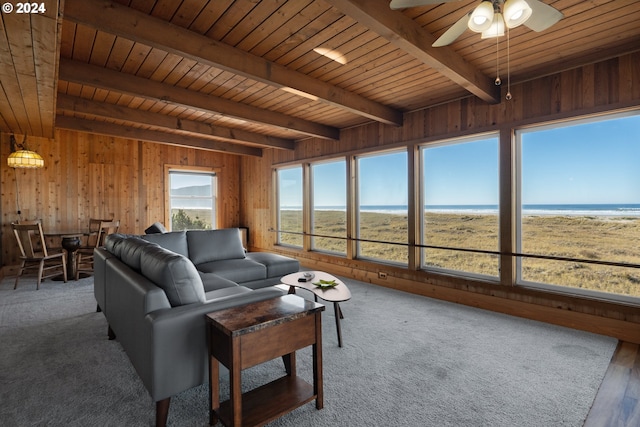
x: 496, y: 29
x: 480, y: 20
x: 516, y: 12
x: 481, y: 17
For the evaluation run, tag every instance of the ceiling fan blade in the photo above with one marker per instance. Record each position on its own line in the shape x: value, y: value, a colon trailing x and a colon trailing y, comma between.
x: 401, y: 4
x: 543, y: 16
x: 453, y: 32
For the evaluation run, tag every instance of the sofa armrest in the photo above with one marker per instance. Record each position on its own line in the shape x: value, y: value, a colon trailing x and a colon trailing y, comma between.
x: 178, y: 354
x: 100, y: 259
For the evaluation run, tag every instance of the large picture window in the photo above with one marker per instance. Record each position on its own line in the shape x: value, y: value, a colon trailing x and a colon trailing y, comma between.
x: 382, y: 207
x: 290, y: 215
x: 192, y: 200
x: 580, y: 200
x: 329, y: 212
x: 460, y: 199
x: 571, y: 226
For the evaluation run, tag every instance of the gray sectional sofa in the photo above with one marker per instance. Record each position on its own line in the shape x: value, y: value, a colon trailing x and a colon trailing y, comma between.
x: 155, y: 290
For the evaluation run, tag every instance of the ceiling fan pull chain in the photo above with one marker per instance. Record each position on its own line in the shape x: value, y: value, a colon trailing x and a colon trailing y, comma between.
x: 508, y: 96
x: 498, y: 81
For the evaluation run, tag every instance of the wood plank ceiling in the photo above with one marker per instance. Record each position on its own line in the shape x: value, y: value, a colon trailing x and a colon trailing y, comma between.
x: 239, y: 76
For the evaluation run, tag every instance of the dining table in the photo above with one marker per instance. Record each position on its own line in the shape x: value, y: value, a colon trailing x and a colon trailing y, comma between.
x: 71, y: 240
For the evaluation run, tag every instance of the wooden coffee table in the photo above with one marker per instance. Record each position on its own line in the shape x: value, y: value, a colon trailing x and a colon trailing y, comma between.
x: 335, y: 294
x: 250, y: 334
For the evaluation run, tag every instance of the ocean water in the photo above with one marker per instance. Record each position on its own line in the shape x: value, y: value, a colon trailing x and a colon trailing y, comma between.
x: 630, y: 210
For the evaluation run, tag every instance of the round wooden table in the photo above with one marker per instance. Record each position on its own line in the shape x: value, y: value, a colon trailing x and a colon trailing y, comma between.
x: 336, y: 294
x: 70, y: 243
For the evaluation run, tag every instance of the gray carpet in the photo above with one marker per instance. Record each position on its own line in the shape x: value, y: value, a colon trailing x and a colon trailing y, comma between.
x: 406, y: 361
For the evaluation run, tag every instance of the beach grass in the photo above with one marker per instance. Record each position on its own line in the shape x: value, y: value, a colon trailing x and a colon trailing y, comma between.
x: 199, y: 218
x: 612, y: 239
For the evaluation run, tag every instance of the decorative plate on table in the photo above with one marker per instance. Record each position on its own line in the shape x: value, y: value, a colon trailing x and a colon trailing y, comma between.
x: 326, y: 284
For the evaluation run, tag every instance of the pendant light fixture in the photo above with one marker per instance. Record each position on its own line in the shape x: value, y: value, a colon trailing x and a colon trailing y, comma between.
x: 22, y: 157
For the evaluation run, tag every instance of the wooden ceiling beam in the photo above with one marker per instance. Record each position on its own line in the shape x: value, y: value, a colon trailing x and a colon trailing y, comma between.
x: 404, y: 33
x: 74, y: 104
x: 127, y: 132
x: 94, y: 76
x: 125, y: 22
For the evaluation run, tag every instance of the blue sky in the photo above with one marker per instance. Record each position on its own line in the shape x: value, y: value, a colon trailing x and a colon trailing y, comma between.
x: 462, y: 174
x: 598, y: 162
x: 180, y: 180
x: 586, y: 163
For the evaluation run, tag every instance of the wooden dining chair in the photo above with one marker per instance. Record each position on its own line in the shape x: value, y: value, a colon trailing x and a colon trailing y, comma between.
x: 53, y: 243
x: 84, y: 255
x: 37, y: 258
x: 94, y: 227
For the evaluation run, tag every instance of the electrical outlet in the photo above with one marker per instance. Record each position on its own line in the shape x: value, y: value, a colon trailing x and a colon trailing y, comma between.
x: 382, y: 275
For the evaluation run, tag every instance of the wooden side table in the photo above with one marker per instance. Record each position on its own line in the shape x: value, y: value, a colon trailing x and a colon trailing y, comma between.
x: 247, y: 335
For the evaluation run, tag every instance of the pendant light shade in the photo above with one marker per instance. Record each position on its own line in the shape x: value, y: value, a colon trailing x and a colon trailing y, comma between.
x: 25, y: 159
x: 516, y: 12
x: 481, y: 17
x: 496, y: 29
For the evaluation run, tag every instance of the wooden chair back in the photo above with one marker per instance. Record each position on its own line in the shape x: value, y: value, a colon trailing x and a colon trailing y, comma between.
x: 30, y: 221
x: 25, y: 234
x: 106, y: 228
x: 94, y: 230
x: 94, y: 224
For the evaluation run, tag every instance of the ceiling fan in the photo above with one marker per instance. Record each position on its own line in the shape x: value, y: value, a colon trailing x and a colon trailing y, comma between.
x: 491, y: 16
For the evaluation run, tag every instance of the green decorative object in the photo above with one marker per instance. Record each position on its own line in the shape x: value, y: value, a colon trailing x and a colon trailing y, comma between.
x: 325, y: 284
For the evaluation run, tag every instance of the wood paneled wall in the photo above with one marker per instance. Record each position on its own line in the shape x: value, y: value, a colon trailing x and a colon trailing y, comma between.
x: 93, y: 176
x: 612, y: 85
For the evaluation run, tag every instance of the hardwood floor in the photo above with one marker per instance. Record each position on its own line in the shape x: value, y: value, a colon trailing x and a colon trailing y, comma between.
x: 617, y: 403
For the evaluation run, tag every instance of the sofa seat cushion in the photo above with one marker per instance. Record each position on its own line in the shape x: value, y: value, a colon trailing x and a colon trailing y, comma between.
x: 212, y: 282
x: 237, y: 270
x: 174, y: 274
x: 226, y: 293
x: 277, y: 265
x: 214, y: 245
x: 175, y: 241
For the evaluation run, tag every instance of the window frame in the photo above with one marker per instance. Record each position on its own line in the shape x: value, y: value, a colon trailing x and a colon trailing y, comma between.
x: 357, y: 212
x: 421, y: 204
x: 278, y: 210
x: 201, y: 170
x: 519, y: 255
x: 312, y: 205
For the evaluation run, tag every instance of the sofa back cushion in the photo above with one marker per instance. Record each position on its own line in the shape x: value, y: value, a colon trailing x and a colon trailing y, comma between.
x: 175, y: 241
x: 113, y: 243
x: 214, y: 245
x: 131, y: 249
x: 174, y: 273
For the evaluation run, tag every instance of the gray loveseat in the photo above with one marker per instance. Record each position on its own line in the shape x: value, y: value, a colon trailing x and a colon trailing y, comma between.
x: 155, y: 289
